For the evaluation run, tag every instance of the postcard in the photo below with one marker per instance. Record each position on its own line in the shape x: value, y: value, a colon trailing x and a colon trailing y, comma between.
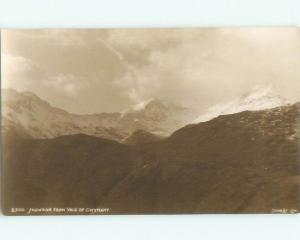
x: 150, y: 121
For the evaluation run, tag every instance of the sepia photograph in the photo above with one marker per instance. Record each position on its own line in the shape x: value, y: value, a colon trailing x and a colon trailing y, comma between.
x: 150, y: 121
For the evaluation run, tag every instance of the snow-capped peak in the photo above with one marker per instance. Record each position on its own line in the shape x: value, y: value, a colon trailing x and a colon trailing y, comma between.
x: 259, y: 98
x: 137, y: 107
x: 140, y: 106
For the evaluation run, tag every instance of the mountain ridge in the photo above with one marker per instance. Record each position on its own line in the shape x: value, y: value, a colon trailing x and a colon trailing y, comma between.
x: 27, y: 113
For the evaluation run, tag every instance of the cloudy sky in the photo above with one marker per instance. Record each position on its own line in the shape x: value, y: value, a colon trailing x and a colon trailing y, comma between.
x: 87, y: 71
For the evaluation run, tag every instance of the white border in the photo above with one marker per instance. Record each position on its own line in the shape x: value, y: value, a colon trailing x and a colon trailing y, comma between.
x: 147, y: 13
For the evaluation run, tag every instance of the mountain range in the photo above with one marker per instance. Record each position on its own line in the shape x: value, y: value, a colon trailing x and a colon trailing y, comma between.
x: 33, y: 117
x: 242, y: 162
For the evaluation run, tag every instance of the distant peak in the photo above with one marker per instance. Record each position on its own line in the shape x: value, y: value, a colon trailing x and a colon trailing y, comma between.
x: 259, y: 91
x: 29, y: 94
x: 142, y: 105
x: 147, y: 104
x: 9, y: 90
x: 259, y: 98
x: 12, y: 91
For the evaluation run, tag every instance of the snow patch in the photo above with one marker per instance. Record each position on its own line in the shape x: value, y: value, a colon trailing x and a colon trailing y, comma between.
x: 140, y: 106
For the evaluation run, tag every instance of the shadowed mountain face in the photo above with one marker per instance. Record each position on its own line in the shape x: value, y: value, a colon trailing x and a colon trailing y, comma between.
x: 76, y: 170
x: 246, y: 162
x: 29, y: 115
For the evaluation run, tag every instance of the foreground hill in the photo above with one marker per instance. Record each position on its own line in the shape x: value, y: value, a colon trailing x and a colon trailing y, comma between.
x: 246, y: 162
x: 76, y: 170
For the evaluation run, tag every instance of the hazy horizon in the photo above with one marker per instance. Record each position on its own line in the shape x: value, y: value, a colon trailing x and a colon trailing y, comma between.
x: 109, y: 70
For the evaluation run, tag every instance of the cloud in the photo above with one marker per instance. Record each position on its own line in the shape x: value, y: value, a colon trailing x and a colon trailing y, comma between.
x: 204, y: 67
x: 111, y: 48
x: 111, y: 69
x: 58, y: 37
x: 155, y: 37
x: 69, y: 84
x: 16, y: 63
x: 15, y: 69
